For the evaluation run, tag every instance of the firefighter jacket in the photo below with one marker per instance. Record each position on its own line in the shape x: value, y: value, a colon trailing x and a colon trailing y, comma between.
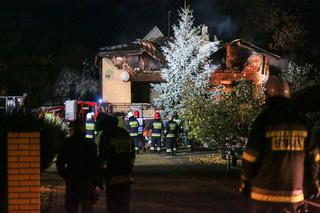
x: 117, y: 151
x: 90, y: 128
x: 156, y: 127
x: 171, y: 129
x: 273, y: 161
x: 133, y: 125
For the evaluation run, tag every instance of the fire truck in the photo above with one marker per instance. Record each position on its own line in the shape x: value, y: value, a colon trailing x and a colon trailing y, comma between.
x: 72, y: 110
x: 77, y: 109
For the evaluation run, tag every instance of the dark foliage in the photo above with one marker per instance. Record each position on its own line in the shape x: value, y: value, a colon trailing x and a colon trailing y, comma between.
x: 51, y: 133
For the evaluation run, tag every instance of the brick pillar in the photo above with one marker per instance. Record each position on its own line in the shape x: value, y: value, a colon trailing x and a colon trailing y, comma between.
x: 23, y: 171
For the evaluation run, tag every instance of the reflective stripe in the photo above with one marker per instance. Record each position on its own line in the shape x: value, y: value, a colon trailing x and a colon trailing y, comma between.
x: 249, y: 157
x: 89, y: 136
x: 120, y: 179
x: 136, y: 148
x: 317, y: 158
x: 189, y: 146
x: 170, y: 136
x: 134, y: 134
x: 174, y: 149
x: 158, y: 148
x: 133, y: 124
x: 89, y: 126
x: 152, y: 148
x: 156, y: 134
x: 168, y: 150
x: 277, y: 198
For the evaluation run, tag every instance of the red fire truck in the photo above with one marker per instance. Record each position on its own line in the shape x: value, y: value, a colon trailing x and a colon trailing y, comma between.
x: 72, y: 110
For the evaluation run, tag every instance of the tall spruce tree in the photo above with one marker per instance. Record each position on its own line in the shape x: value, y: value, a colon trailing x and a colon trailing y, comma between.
x: 187, y: 69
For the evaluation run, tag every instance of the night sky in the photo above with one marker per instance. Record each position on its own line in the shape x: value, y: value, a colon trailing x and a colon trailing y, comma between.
x: 95, y: 23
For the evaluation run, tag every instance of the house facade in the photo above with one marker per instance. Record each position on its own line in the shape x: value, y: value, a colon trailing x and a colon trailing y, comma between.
x: 128, y: 70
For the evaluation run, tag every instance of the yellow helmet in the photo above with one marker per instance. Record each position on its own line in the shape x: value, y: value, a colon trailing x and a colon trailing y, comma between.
x: 276, y: 86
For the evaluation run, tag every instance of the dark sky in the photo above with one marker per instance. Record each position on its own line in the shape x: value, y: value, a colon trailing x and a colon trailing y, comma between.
x: 91, y: 24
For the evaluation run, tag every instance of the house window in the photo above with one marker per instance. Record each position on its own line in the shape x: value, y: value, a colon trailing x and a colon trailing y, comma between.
x: 140, y: 92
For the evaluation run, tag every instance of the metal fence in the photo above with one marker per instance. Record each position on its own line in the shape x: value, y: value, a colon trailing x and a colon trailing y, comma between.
x: 146, y: 110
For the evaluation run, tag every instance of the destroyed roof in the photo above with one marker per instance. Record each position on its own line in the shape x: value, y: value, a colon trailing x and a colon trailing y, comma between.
x: 253, y: 47
x: 137, y: 47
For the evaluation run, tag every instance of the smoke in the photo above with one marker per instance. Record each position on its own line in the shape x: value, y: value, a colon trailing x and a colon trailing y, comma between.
x: 212, y: 13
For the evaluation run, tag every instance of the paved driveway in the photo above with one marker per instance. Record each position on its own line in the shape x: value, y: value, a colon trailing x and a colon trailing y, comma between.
x: 164, y: 185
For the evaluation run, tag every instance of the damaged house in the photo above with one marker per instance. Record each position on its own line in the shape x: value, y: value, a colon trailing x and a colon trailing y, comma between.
x: 240, y: 59
x: 128, y: 70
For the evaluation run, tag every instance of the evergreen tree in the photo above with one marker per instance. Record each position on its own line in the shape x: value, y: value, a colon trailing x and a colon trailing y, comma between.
x: 187, y: 68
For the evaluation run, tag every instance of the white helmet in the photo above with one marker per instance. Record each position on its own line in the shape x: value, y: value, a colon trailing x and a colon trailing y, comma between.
x: 89, y: 115
x: 130, y: 114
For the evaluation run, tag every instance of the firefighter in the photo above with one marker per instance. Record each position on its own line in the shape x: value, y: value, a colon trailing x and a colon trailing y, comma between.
x: 156, y: 133
x: 99, y: 124
x: 171, y: 131
x: 77, y: 164
x: 140, y: 130
x: 180, y: 123
x: 90, y: 126
x: 117, y: 153
x: 278, y: 152
x: 133, y: 126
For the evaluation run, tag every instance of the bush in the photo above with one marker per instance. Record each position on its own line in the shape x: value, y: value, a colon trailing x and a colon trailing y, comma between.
x: 223, y: 121
x: 52, y: 132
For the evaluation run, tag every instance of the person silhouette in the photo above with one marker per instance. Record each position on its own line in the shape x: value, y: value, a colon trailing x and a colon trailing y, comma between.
x: 116, y: 157
x: 77, y: 164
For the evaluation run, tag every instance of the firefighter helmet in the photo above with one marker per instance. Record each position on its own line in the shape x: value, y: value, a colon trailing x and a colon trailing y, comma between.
x: 276, y: 86
x: 89, y: 115
x: 130, y: 114
x: 157, y: 115
x: 136, y: 114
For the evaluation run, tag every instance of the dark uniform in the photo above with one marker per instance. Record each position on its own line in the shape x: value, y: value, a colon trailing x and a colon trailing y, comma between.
x: 156, y: 133
x: 274, y: 159
x: 77, y: 164
x: 140, y: 133
x: 133, y: 125
x: 117, y: 152
x: 171, y: 131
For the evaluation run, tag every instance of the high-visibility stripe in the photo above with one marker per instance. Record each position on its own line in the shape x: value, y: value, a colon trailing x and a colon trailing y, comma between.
x: 89, y: 136
x: 152, y: 148
x: 168, y: 150
x: 188, y: 146
x: 249, y: 157
x: 134, y: 134
x: 158, y: 148
x: 156, y: 134
x: 170, y: 135
x: 174, y: 149
x: 277, y: 198
x: 89, y: 126
x: 317, y: 158
x: 136, y: 148
x: 120, y: 179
